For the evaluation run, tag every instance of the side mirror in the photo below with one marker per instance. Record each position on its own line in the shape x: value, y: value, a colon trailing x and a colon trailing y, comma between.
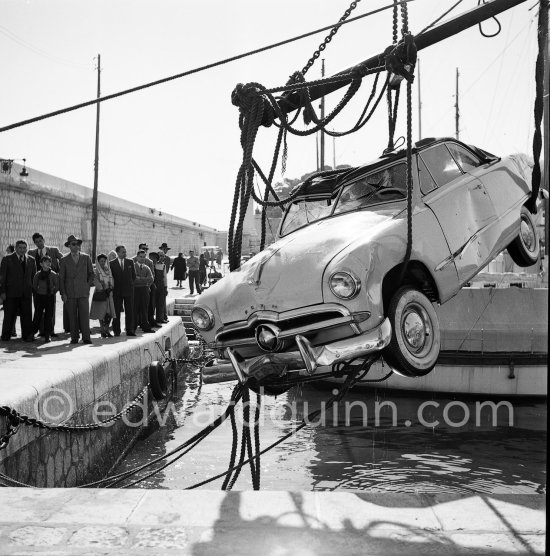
x: 543, y: 193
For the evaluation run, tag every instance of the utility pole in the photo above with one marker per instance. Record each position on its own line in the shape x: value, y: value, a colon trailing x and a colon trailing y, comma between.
x: 419, y: 100
x: 457, y: 114
x: 322, y: 153
x: 96, y: 163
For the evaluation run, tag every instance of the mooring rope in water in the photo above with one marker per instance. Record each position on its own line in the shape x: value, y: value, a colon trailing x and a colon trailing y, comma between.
x: 354, y: 372
x: 192, y: 442
x: 349, y: 382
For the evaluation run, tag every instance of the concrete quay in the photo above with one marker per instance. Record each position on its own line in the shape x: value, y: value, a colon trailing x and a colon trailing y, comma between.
x: 152, y: 522
x: 77, y: 384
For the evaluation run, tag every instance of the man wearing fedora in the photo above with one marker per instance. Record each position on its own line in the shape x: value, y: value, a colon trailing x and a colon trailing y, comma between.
x: 76, y: 275
x: 16, y: 274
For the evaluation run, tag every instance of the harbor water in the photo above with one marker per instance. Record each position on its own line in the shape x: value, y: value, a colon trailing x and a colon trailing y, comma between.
x: 375, y: 441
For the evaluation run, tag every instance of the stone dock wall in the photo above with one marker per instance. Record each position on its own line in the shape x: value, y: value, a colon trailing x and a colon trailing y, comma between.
x: 71, y: 387
x: 57, y: 208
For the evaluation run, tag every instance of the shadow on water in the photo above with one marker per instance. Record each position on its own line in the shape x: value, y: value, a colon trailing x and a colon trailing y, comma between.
x: 376, y: 441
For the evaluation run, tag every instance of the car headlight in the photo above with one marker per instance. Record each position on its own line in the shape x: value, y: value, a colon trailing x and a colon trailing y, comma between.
x: 344, y: 285
x: 202, y: 318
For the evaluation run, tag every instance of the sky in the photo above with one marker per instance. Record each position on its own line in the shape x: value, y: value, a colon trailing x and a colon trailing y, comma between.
x: 175, y: 147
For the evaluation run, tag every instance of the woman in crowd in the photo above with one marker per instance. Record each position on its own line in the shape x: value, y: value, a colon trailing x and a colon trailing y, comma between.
x: 103, y: 306
x: 203, y: 265
x: 179, y: 266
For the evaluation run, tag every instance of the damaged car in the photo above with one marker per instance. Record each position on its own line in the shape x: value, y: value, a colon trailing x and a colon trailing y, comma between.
x: 334, y: 288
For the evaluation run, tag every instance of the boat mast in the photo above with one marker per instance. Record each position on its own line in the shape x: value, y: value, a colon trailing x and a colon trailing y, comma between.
x: 322, y: 137
x: 419, y: 100
x: 457, y: 113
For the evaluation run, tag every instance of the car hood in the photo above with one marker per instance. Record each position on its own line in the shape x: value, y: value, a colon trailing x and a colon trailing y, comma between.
x: 288, y: 274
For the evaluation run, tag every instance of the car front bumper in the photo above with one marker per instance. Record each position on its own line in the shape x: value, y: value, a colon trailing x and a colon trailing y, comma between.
x: 308, y: 357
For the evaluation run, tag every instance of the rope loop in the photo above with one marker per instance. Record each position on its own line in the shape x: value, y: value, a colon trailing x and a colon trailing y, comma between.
x: 248, y: 98
x: 401, y: 59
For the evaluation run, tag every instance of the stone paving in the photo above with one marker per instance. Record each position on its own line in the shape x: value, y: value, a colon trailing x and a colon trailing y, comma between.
x: 152, y: 522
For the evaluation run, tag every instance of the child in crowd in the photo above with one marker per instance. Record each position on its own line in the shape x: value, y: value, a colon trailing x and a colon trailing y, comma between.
x: 45, y: 285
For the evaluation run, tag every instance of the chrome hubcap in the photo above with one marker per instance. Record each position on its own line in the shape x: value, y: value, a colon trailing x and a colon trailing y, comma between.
x: 528, y: 235
x: 416, y: 330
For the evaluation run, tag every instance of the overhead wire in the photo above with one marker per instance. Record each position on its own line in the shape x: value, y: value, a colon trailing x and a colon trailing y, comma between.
x: 496, y: 82
x: 192, y: 71
x: 25, y: 44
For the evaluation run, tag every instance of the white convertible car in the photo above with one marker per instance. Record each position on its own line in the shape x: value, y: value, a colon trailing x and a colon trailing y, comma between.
x: 333, y: 287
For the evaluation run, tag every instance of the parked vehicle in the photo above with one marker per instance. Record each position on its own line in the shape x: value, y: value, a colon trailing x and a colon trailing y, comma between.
x: 333, y: 288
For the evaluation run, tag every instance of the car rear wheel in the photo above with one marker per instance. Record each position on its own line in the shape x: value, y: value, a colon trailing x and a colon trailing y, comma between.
x: 416, y: 339
x: 525, y: 249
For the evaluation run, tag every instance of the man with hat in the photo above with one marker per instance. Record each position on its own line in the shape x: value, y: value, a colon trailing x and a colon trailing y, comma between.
x: 152, y: 289
x: 76, y: 275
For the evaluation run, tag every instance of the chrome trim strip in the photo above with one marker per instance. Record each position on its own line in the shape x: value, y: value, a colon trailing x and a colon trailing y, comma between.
x: 290, y: 333
x: 278, y: 318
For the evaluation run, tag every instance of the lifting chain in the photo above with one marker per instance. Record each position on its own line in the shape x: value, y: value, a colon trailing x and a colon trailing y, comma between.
x: 328, y: 38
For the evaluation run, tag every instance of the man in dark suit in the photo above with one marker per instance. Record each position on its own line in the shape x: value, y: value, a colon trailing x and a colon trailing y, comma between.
x: 124, y: 276
x: 41, y: 251
x: 16, y: 274
x: 76, y: 276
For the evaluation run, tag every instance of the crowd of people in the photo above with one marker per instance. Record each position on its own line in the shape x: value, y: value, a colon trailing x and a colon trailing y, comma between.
x: 197, y: 269
x: 136, y: 286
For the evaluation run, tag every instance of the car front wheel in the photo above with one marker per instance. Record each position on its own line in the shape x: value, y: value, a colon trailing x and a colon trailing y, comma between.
x: 416, y: 339
x: 525, y: 249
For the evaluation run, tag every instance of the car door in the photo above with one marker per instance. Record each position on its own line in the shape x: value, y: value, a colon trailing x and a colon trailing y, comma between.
x: 462, y: 207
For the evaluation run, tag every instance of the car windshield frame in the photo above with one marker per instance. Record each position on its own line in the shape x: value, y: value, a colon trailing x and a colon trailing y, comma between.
x: 311, y: 199
x: 335, y: 199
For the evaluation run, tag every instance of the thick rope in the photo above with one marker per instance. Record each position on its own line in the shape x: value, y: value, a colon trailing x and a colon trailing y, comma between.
x: 542, y: 39
x: 409, y: 179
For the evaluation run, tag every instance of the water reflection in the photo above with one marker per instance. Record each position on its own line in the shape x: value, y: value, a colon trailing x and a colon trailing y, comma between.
x: 377, y: 442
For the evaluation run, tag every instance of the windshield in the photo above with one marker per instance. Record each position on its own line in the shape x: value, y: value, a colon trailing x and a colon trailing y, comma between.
x: 389, y: 184
x: 304, y: 212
